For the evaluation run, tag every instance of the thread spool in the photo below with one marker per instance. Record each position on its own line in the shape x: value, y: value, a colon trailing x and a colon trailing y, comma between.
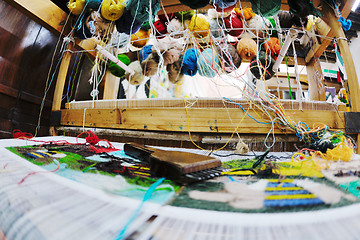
x: 115, y: 69
x: 199, y: 25
x: 189, y: 62
x: 127, y: 24
x: 272, y: 46
x: 208, y: 63
x: 245, y: 13
x: 233, y: 25
x: 195, y: 4
x: 230, y: 58
x: 138, y: 77
x: 112, y: 10
x: 247, y: 48
x: 266, y: 8
x: 145, y: 52
x: 140, y: 38
x: 262, y: 68
x: 150, y: 65
x: 140, y: 9
x: 174, y: 71
x: 76, y: 6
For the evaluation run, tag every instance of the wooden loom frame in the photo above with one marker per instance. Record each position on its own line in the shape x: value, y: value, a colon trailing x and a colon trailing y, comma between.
x: 208, y: 120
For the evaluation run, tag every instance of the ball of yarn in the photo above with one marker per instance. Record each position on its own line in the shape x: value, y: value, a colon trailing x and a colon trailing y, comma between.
x: 171, y: 56
x: 208, y: 63
x: 189, y: 62
x: 150, y: 65
x: 195, y: 4
x: 230, y: 58
x: 145, y: 52
x: 272, y: 46
x: 138, y: 77
x: 212, y: 13
x: 112, y: 9
x: 262, y: 68
x: 247, y: 48
x: 245, y: 13
x: 175, y: 27
x: 166, y: 17
x: 174, y: 72
x: 146, y: 25
x: 184, y: 15
x: 115, y: 69
x: 199, y: 25
x: 76, y: 6
x: 127, y: 24
x: 93, y: 4
x: 160, y: 28
x: 224, y: 5
x: 216, y: 29
x: 266, y: 8
x: 140, y: 9
x: 140, y: 38
x: 258, y: 25
x: 233, y: 25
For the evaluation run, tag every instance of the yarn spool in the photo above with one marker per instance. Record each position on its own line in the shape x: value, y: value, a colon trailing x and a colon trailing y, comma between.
x: 262, y: 68
x: 145, y: 52
x: 115, y: 69
x: 140, y: 9
x: 216, y: 30
x: 138, y: 77
x: 195, y: 4
x: 208, y: 63
x: 273, y: 47
x: 230, y: 58
x: 247, y: 48
x: 160, y: 29
x: 233, y: 25
x: 140, y: 38
x: 174, y: 72
x: 76, y: 6
x: 199, y: 25
x: 189, y: 62
x: 266, y: 8
x: 150, y: 65
x: 112, y: 10
x: 184, y: 15
x: 127, y: 24
x: 93, y: 4
x: 245, y: 13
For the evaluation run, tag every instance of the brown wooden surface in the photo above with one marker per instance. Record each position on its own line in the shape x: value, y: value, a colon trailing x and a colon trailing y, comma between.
x: 316, y: 80
x: 26, y: 49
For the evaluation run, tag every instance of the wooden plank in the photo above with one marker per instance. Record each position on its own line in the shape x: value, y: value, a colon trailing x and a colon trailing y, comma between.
x: 316, y: 80
x: 111, y: 86
x: 200, y: 120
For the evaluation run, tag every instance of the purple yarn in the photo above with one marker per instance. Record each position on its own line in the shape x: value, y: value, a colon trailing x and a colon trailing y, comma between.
x: 145, y: 52
x: 123, y: 24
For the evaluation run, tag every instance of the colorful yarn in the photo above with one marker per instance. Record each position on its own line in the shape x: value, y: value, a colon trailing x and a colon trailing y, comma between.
x: 258, y: 24
x: 140, y: 9
x: 184, y: 15
x: 150, y: 65
x: 171, y: 56
x: 76, y: 6
x: 115, y: 69
x: 208, y: 63
x: 112, y: 10
x: 146, y: 25
x: 175, y: 26
x: 195, y: 4
x: 262, y: 68
x: 216, y: 30
x: 81, y: 30
x: 245, y: 13
x: 140, y: 38
x: 93, y: 4
x: 343, y: 151
x: 247, y: 48
x: 174, y: 72
x: 138, y: 77
x: 233, y: 25
x: 189, y: 62
x: 199, y: 25
x: 230, y: 58
x: 272, y: 46
x: 212, y: 13
x: 160, y: 28
x: 127, y: 24
x: 145, y: 52
x: 266, y: 8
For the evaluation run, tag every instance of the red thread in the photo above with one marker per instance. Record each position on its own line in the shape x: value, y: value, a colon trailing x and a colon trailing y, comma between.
x: 21, y: 135
x: 33, y: 173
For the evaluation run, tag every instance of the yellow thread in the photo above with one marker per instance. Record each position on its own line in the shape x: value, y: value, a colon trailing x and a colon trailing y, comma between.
x: 294, y: 196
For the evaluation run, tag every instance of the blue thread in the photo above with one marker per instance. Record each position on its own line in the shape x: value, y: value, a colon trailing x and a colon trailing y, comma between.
x: 147, y: 196
x: 246, y: 112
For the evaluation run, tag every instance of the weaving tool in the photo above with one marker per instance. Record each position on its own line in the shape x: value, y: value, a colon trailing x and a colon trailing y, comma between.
x: 182, y: 167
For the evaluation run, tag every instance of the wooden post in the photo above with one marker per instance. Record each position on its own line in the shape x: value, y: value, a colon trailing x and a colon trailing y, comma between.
x: 352, y: 80
x: 111, y: 86
x: 316, y: 80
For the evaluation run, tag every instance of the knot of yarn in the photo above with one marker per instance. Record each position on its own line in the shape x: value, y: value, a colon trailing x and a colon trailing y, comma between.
x: 92, y: 138
x: 346, y: 24
x: 21, y: 135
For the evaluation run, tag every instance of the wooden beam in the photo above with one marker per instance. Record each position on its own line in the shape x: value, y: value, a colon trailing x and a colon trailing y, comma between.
x: 111, y: 86
x: 316, y: 80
